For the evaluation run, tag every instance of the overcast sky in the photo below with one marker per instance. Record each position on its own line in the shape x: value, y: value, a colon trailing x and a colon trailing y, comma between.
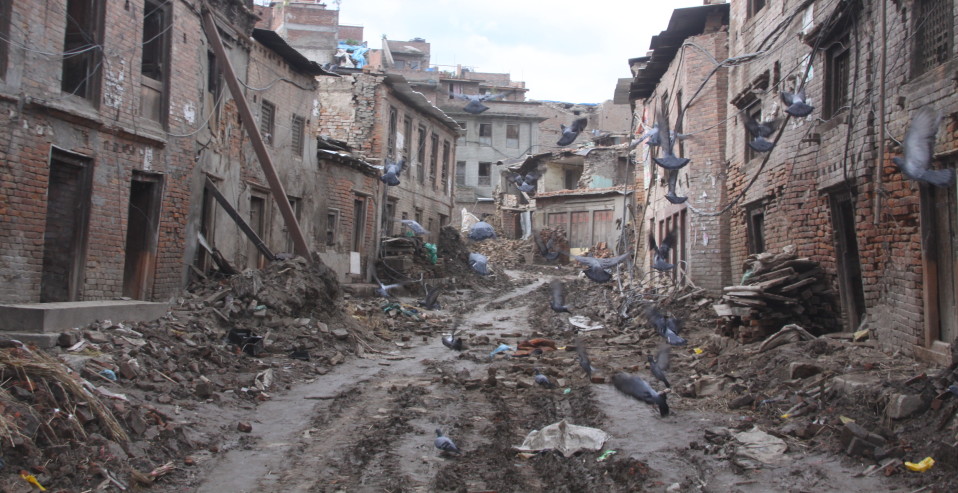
x: 564, y: 50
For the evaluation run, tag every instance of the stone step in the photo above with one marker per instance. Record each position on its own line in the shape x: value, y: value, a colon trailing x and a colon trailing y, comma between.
x: 38, y: 318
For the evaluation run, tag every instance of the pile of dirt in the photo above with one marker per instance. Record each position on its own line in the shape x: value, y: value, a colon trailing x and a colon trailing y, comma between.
x: 103, y: 408
x: 455, y: 254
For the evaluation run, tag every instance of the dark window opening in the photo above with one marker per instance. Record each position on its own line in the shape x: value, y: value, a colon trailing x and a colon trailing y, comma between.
x: 407, y: 139
x: 485, y: 174
x: 512, y: 136
x: 433, y: 158
x: 837, y: 73
x: 332, y: 225
x: 81, y: 43
x: 359, y: 223
x: 298, y: 133
x: 934, y: 34
x: 391, y: 136
x: 485, y: 134
x: 421, y: 154
x: 154, y: 62
x: 5, y: 34
x: 389, y: 217
x: 444, y: 180
x: 571, y: 181
x: 756, y: 230
x: 754, y: 6
x: 267, y: 121
x: 755, y: 113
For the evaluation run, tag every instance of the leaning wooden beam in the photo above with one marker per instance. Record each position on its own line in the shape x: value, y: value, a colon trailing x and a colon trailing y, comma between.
x: 252, y: 130
x: 238, y: 219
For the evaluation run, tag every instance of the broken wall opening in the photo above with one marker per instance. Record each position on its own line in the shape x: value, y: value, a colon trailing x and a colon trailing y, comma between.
x: 67, y: 218
x: 142, y: 228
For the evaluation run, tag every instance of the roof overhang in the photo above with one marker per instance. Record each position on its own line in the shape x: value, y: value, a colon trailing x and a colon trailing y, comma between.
x: 278, y: 45
x: 416, y: 99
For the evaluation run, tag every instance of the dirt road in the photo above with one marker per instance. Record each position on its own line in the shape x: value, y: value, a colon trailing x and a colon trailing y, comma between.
x: 368, y: 425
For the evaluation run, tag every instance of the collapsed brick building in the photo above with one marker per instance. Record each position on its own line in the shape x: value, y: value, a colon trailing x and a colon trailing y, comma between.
x: 886, y: 243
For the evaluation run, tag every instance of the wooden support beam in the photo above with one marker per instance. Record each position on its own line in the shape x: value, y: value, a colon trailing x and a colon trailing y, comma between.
x: 238, y: 219
x: 252, y: 130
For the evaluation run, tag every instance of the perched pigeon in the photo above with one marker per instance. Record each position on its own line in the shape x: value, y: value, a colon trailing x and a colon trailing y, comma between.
x: 761, y: 131
x: 392, y: 170
x: 527, y: 182
x: 583, y: 358
x: 383, y: 289
x: 637, y: 388
x: 481, y: 231
x: 431, y: 301
x: 444, y: 444
x: 545, y: 249
x: 558, y: 296
x: 479, y: 263
x: 452, y: 342
x: 570, y: 133
x: 953, y: 389
x: 667, y: 327
x: 795, y: 104
x: 416, y: 228
x: 918, y: 146
x: 475, y: 105
x: 597, y: 266
x: 668, y: 160
x: 670, y: 195
x: 659, y: 364
x: 544, y: 380
x: 660, y: 253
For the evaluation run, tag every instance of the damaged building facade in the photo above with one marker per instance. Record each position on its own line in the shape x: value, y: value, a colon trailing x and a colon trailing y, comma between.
x: 886, y: 243
x: 130, y: 163
x: 670, y: 80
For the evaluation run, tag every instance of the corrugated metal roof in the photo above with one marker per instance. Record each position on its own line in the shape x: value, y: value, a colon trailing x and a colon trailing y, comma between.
x: 295, y: 59
x: 685, y: 22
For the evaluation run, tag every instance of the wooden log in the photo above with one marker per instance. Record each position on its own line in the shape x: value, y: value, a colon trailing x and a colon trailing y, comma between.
x: 794, y: 286
x: 745, y: 301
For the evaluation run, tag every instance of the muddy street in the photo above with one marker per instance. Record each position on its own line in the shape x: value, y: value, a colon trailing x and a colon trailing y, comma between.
x: 368, y: 425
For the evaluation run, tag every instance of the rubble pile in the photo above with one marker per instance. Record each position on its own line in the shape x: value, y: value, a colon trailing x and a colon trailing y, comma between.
x: 777, y: 289
x: 104, y: 409
x: 455, y: 254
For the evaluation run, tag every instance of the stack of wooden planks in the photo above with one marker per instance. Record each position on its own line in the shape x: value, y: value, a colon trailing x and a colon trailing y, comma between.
x: 777, y: 289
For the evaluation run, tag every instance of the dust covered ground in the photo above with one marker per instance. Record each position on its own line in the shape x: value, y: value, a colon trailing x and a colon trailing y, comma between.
x: 344, y: 392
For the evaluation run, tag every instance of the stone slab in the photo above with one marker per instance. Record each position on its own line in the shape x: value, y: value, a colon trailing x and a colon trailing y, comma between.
x: 56, y: 317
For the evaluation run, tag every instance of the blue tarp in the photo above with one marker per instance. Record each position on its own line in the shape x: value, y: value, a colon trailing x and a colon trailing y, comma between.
x: 357, y: 53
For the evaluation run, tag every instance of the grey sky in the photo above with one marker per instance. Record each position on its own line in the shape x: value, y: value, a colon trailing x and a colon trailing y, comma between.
x: 564, y: 50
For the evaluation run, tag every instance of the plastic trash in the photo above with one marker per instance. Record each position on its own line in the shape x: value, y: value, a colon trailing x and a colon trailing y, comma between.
x: 108, y: 374
x: 605, y: 455
x: 30, y: 478
x: 433, y: 252
x: 501, y: 348
x: 698, y: 350
x: 922, y: 466
x: 565, y: 438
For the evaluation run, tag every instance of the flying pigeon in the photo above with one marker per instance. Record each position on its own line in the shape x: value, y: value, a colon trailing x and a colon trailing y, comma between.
x: 544, y: 380
x: 481, y: 231
x: 659, y: 364
x: 668, y: 160
x: 637, y: 388
x: 597, y: 267
x: 431, y: 301
x: 479, y: 263
x: 416, y: 228
x: 452, y: 342
x: 667, y: 327
x: 570, y: 133
x: 651, y: 136
x: 918, y: 146
x: 660, y: 253
x: 583, y: 358
x: 761, y: 131
x: 526, y: 183
x: 444, y: 444
x: 795, y: 104
x: 545, y: 249
x: 670, y: 195
x: 392, y: 170
x: 558, y: 296
x: 475, y: 105
x: 383, y: 289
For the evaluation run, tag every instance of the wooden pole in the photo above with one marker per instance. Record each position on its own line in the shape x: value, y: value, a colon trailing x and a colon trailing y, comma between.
x: 252, y: 130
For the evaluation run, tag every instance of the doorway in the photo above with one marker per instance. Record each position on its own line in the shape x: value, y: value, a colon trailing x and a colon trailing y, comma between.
x: 64, y: 237
x: 142, y: 228
x: 846, y: 255
x: 257, y: 221
x: 939, y: 221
